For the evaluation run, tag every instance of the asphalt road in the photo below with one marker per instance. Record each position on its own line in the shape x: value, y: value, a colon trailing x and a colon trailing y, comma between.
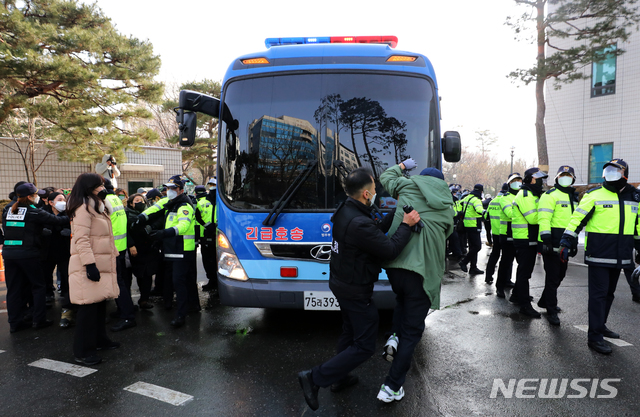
x: 243, y: 362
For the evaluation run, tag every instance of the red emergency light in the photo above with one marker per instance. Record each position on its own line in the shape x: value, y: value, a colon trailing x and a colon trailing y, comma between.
x: 392, y: 41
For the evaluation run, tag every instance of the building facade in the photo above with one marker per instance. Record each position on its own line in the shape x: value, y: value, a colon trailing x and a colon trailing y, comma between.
x: 149, y: 168
x: 592, y: 121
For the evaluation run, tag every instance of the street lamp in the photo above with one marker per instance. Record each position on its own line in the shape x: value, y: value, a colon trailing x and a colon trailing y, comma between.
x: 512, y: 149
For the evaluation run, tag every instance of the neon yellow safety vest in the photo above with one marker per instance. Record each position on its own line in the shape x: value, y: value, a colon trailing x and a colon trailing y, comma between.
x: 506, y: 207
x: 118, y: 222
x: 183, y: 220
x: 611, y: 223
x: 493, y: 214
x: 206, y: 213
x: 156, y: 207
x: 554, y: 212
x: 524, y: 218
x: 472, y: 211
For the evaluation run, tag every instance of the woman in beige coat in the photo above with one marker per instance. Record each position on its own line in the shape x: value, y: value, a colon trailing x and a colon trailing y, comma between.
x: 92, y: 267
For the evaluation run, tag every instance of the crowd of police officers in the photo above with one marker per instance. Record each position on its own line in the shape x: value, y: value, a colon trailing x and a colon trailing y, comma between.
x: 524, y: 221
x: 156, y: 234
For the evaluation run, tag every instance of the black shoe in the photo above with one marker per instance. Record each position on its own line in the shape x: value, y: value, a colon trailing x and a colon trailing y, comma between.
x: 600, y: 347
x: 123, y: 325
x: 509, y: 284
x: 89, y: 360
x: 610, y: 334
x: 145, y: 305
x: 209, y: 286
x: 110, y: 346
x: 66, y: 323
x: 309, y: 389
x: 488, y: 280
x: 636, y: 298
x: 513, y: 299
x: 500, y: 293
x: 114, y: 315
x: 42, y: 324
x: 529, y: 311
x: 553, y: 318
x: 544, y: 305
x: 344, y: 383
x: 20, y: 326
x: 178, y: 322
x: 463, y: 266
x: 475, y: 271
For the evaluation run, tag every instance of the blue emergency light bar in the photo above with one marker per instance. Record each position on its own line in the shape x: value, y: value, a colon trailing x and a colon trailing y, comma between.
x: 389, y: 40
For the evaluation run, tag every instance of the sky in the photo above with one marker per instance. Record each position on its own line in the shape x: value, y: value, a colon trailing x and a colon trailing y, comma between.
x: 471, y: 49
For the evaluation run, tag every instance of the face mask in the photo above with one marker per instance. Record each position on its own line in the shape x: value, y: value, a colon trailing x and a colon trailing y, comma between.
x: 172, y: 194
x: 565, y: 181
x: 539, y: 182
x: 140, y: 206
x: 515, y: 185
x: 102, y: 194
x: 121, y: 197
x: 60, y: 205
x: 611, y: 174
x: 373, y: 199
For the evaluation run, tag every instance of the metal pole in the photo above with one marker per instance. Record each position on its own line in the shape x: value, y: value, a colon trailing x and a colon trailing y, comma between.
x: 512, y: 148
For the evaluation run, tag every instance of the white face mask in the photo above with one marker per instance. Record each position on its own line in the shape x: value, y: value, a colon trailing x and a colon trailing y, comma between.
x: 565, y: 181
x: 611, y: 173
x: 60, y: 205
x: 37, y: 200
x: 171, y: 194
x: 515, y: 185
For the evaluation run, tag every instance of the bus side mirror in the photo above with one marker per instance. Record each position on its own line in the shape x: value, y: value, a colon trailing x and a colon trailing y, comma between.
x: 451, y: 146
x: 187, y: 124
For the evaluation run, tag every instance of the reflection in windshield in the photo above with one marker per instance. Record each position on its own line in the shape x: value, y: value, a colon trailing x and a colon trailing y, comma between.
x: 282, y: 129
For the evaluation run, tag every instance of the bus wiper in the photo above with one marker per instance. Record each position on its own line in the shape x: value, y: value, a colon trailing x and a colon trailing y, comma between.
x: 289, y: 194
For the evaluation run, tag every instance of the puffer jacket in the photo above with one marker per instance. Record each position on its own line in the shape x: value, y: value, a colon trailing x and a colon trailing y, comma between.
x: 92, y: 242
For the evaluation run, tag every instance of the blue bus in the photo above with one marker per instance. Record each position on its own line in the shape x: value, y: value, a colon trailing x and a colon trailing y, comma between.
x: 294, y: 120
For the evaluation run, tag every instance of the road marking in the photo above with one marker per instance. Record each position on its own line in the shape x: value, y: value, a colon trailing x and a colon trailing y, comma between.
x: 3, y: 311
x: 63, y: 367
x: 159, y: 393
x: 2, y: 351
x: 617, y: 342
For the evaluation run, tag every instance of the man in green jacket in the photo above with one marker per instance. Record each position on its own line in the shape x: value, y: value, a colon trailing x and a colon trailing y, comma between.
x: 415, y: 275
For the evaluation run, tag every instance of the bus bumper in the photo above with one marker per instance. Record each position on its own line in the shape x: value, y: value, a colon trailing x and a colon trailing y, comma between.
x: 271, y: 293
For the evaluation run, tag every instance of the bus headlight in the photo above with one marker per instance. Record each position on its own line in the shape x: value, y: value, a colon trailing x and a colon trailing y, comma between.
x: 228, y: 263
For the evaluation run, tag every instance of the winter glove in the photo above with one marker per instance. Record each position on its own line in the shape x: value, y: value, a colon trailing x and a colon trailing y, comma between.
x: 564, y: 253
x: 141, y: 221
x: 92, y: 272
x: 158, y: 235
x: 547, y: 244
x: 409, y: 164
x: 46, y: 232
x: 636, y: 274
x: 65, y: 232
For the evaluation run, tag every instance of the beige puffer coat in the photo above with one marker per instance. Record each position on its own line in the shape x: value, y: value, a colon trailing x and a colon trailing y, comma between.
x: 92, y: 242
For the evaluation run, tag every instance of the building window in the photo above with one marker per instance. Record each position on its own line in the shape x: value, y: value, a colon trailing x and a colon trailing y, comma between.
x: 599, y: 154
x: 603, y: 73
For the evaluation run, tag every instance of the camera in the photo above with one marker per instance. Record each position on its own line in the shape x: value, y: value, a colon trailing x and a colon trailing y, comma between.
x: 418, y: 226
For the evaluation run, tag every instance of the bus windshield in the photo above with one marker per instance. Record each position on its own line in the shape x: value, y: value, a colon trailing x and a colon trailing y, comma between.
x: 293, y: 123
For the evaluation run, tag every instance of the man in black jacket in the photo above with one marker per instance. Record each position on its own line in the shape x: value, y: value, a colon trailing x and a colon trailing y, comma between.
x: 359, y: 245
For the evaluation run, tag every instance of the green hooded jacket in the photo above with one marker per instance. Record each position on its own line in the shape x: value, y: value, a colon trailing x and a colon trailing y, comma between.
x: 425, y: 252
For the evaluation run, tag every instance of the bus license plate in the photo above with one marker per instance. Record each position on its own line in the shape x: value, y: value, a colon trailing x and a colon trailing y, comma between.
x: 320, y: 300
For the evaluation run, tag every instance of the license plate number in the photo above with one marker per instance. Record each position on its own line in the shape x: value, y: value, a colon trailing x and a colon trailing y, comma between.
x: 320, y: 300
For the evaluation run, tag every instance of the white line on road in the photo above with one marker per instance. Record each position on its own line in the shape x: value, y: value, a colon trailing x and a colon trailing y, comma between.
x: 159, y: 393
x: 3, y: 311
x: 63, y: 367
x: 617, y: 342
x: 2, y: 351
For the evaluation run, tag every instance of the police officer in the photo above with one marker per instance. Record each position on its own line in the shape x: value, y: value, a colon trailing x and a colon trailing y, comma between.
x: 493, y: 216
x: 22, y: 225
x: 485, y: 220
x: 126, y: 312
x: 152, y: 218
x: 179, y: 244
x: 508, y: 251
x: 359, y: 245
x: 609, y: 214
x: 554, y: 211
x: 472, y: 212
x: 205, y: 216
x: 524, y: 224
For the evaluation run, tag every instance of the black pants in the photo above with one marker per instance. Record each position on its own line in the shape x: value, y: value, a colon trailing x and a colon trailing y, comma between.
x: 526, y: 257
x: 124, y: 302
x: 48, y: 267
x: 209, y: 261
x: 555, y: 271
x: 487, y: 228
x: 91, y: 331
x: 602, y: 285
x: 475, y: 244
x: 183, y: 275
x: 505, y: 268
x: 493, y: 258
x: 356, y: 344
x: 412, y: 307
x: 454, y: 245
x: 24, y: 280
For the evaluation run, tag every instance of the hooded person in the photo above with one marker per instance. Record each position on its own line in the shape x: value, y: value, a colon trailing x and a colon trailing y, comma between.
x: 416, y: 274
x: 108, y: 168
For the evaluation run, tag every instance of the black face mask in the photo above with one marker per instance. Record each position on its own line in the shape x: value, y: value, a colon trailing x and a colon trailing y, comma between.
x: 140, y: 206
x: 102, y: 194
x: 618, y: 184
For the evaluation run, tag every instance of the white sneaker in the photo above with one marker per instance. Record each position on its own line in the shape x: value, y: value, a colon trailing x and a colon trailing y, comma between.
x: 390, y: 348
x: 387, y: 395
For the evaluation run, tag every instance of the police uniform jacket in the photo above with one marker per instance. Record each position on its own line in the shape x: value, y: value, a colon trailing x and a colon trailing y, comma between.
x: 472, y: 210
x: 23, y: 231
x: 181, y: 218
x: 554, y: 212
x: 524, y: 217
x: 611, y: 223
x: 359, y: 245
